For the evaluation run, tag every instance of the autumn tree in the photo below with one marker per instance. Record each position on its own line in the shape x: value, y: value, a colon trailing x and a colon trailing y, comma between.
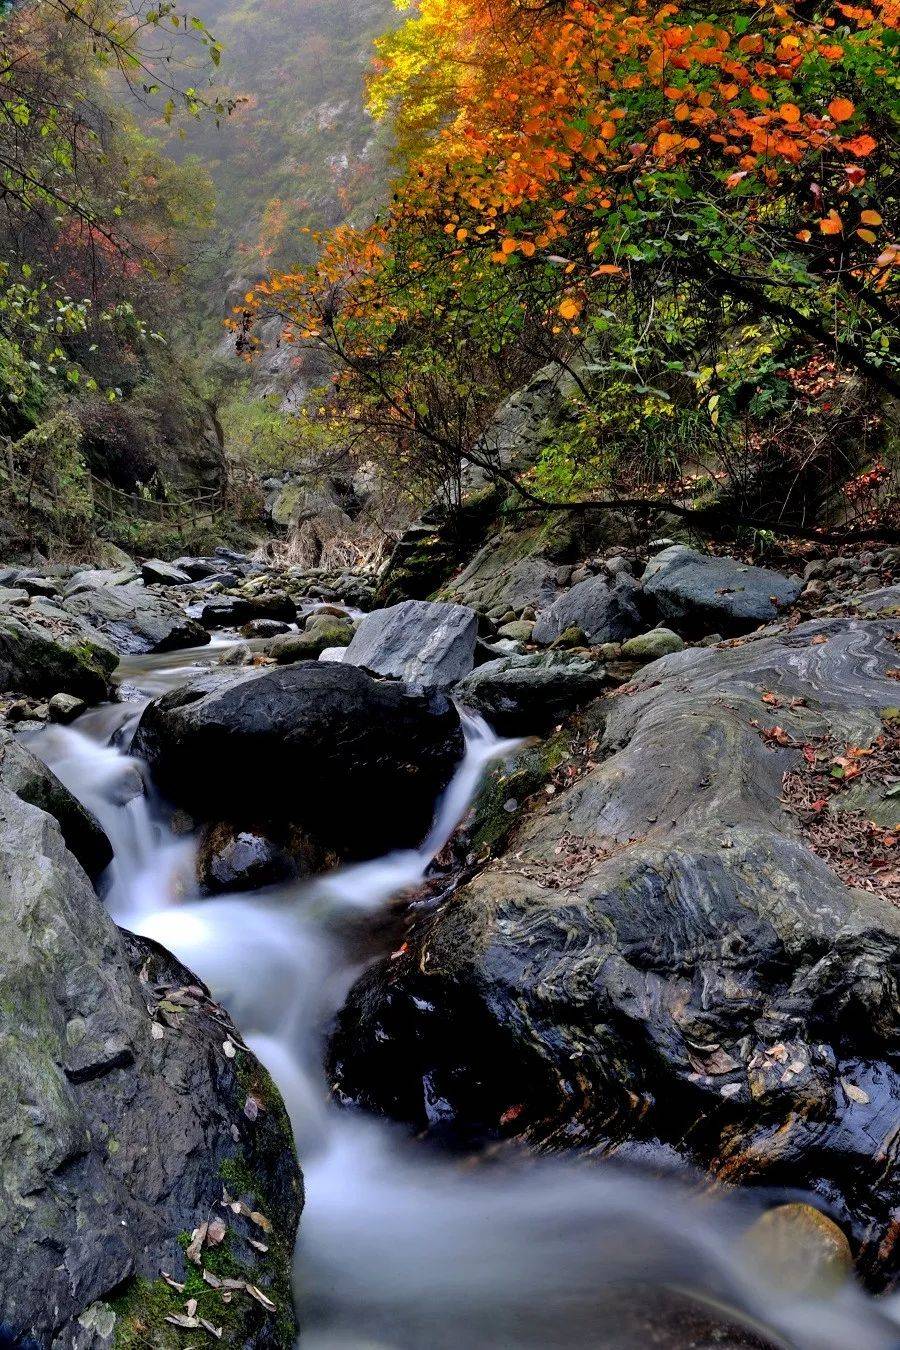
x: 692, y: 209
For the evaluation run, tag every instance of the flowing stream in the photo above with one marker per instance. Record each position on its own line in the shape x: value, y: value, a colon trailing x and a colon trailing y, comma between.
x: 401, y: 1248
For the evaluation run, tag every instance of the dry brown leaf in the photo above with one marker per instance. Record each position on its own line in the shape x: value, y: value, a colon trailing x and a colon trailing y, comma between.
x: 179, y: 1320
x: 261, y: 1221
x: 195, y: 1248
x: 212, y: 1280
x: 261, y: 1298
x: 855, y: 1093
x: 173, y: 1284
x: 213, y: 1331
x: 215, y: 1232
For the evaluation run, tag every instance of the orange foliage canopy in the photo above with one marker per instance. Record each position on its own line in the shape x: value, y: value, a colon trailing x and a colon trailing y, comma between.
x: 572, y: 132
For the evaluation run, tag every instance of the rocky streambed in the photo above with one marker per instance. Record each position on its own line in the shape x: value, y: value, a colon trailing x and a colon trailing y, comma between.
x: 641, y: 948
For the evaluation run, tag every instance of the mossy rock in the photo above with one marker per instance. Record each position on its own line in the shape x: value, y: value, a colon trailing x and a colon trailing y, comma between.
x: 429, y: 552
x: 507, y: 787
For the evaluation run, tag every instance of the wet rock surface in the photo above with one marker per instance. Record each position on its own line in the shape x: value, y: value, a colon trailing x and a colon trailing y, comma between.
x: 525, y: 695
x: 46, y: 650
x: 122, y: 1121
x: 134, y: 619
x: 721, y: 592
x: 228, y: 610
x: 155, y: 572
x: 659, y: 955
x: 419, y: 641
x: 358, y: 761
x: 603, y: 609
x: 25, y: 775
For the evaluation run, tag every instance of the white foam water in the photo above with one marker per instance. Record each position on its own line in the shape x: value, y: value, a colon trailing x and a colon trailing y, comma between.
x: 401, y: 1249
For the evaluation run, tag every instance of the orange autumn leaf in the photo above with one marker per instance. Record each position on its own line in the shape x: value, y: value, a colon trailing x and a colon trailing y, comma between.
x: 832, y: 223
x: 861, y: 146
x: 570, y: 308
x: 870, y: 218
x: 841, y: 109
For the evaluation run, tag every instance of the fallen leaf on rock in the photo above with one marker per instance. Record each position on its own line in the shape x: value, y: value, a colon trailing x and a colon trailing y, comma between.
x: 180, y: 1320
x: 229, y: 1049
x: 191, y: 1307
x: 252, y: 1107
x: 818, y: 640
x: 771, y: 699
x: 195, y: 1247
x: 855, y: 1093
x: 261, y: 1221
x: 173, y: 1284
x: 261, y: 1298
x: 213, y: 1331
x: 212, y: 1280
x: 215, y: 1232
x: 260, y: 1246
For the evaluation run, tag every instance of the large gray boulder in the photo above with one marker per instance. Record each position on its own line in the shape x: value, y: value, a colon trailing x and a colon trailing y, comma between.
x: 423, y: 642
x: 134, y: 619
x: 356, y: 761
x: 525, y: 695
x: 722, y: 594
x: 45, y: 650
x: 122, y: 1116
x: 604, y: 610
x: 660, y: 955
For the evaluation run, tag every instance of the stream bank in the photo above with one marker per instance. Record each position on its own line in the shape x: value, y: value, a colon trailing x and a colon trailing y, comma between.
x: 402, y: 1245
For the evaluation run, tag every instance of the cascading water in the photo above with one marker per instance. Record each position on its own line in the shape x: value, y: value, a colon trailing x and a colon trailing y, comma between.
x: 400, y: 1249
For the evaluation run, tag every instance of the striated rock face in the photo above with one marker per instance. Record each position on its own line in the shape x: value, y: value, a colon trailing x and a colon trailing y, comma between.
x: 122, y: 1120
x: 355, y: 760
x: 661, y: 956
x: 722, y: 593
x: 135, y: 620
x: 419, y: 641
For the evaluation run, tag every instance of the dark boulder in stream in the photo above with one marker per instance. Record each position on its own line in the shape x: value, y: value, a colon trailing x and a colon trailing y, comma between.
x: 356, y: 761
x: 661, y: 956
x: 123, y: 1097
